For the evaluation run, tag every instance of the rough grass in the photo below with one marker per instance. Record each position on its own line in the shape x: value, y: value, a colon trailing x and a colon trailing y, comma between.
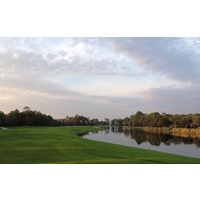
x: 41, y: 145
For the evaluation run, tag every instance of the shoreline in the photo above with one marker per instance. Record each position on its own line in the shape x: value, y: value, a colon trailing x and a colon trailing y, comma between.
x: 183, y: 132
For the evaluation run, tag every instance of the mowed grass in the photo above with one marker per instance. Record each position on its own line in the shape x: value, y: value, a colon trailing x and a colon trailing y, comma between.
x: 42, y: 145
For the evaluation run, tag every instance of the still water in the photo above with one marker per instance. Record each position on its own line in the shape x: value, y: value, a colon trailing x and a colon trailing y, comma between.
x: 140, y: 139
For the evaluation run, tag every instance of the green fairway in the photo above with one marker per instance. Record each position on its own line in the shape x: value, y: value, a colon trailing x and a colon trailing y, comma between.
x: 59, y: 145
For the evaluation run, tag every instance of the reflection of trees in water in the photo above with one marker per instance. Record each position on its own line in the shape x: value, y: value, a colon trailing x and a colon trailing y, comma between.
x: 166, y: 139
x: 187, y: 140
x: 94, y: 131
x: 126, y: 133
x: 139, y: 136
x: 107, y: 131
x: 197, y: 142
x: 117, y: 129
x: 156, y: 139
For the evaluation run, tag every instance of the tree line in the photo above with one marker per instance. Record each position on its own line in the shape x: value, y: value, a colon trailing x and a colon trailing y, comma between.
x: 82, y: 120
x: 156, y: 119
x: 26, y: 118
x: 35, y: 118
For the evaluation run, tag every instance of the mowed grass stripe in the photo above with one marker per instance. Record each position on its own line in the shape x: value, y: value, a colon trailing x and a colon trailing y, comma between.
x: 40, y: 145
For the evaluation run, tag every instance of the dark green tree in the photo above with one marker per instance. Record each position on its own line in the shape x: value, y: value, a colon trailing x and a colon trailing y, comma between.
x: 14, y: 118
x: 2, y: 118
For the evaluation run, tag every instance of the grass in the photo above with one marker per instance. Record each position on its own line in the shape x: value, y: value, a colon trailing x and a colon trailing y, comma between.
x: 42, y: 145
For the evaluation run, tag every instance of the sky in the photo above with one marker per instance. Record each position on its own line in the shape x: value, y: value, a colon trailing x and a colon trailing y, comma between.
x: 47, y: 62
x: 100, y: 77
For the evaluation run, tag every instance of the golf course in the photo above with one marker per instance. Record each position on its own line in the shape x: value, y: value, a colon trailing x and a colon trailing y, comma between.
x: 60, y: 145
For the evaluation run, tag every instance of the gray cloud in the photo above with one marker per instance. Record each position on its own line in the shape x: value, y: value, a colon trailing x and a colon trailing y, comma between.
x: 174, y: 100
x: 164, y: 99
x: 170, y: 57
x: 37, y: 76
x: 91, y: 63
x: 175, y: 58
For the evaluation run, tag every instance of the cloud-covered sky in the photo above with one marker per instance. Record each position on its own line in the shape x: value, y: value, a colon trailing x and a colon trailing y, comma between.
x: 100, y: 77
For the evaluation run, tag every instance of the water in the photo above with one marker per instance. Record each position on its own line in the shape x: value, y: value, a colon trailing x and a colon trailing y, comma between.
x: 140, y: 139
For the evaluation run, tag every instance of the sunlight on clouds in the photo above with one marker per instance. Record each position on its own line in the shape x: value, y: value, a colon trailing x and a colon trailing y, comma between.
x: 48, y: 95
x: 120, y: 73
x: 6, y: 97
x: 118, y: 86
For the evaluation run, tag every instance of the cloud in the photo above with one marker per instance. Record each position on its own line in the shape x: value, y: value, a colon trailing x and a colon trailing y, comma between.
x: 88, y: 56
x: 93, y: 76
x: 173, y: 58
x: 173, y: 100
x: 170, y: 57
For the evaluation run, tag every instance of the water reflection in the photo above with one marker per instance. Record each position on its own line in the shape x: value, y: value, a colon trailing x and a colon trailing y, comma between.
x: 140, y: 136
x: 157, y: 139
x: 148, y: 140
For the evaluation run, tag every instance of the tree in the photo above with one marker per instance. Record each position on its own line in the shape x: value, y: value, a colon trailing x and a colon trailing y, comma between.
x: 14, y: 118
x: 176, y: 120
x: 138, y: 119
x: 94, y: 122
x: 2, y: 118
x: 107, y: 121
x: 28, y: 116
x: 126, y: 121
x: 186, y: 121
x: 163, y: 122
x: 196, y: 119
x: 77, y: 120
x: 154, y: 119
x: 26, y: 108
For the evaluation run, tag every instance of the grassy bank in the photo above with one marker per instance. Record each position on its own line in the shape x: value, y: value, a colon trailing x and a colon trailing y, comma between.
x: 60, y: 145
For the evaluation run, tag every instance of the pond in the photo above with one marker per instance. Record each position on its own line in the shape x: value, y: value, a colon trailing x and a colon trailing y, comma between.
x: 140, y: 139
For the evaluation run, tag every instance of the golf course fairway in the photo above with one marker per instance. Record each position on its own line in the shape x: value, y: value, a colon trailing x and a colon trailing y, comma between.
x: 59, y: 145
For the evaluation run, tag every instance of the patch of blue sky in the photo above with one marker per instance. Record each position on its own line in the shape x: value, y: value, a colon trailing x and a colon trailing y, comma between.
x: 71, y: 80
x: 78, y: 79
x: 2, y: 46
